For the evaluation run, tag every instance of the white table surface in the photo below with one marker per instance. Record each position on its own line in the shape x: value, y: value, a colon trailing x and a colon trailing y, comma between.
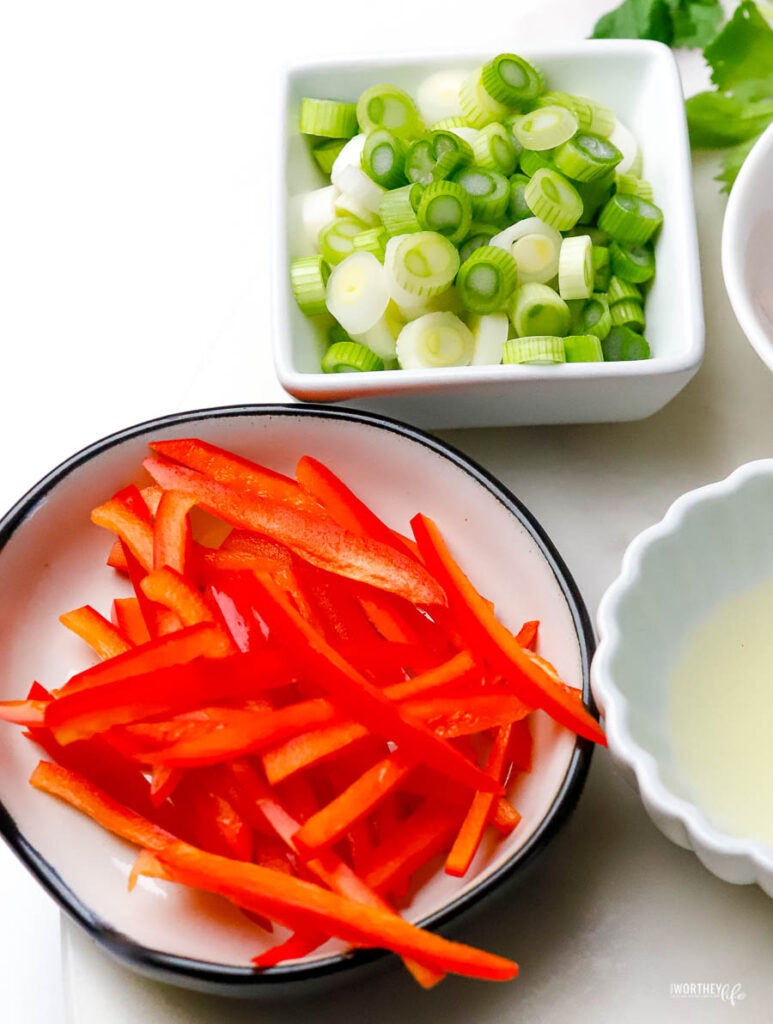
x: 134, y: 190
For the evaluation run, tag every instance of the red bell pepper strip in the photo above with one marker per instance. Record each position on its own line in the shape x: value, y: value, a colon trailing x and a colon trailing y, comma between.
x: 504, y: 817
x: 314, y: 539
x: 210, y: 819
x: 162, y: 691
x: 465, y: 714
x: 236, y: 614
x: 218, y: 560
x: 234, y: 471
x: 205, y: 640
x: 486, y: 635
x: 298, y: 946
x: 163, y: 782
x: 521, y: 746
x: 474, y: 825
x: 172, y: 532
x: 132, y: 497
x: 337, y: 611
x: 243, y: 542
x: 352, y: 692
x: 127, y: 617
x: 422, y: 836
x: 116, y: 558
x: 135, y: 532
x: 527, y: 635
x: 159, y: 621
x: 23, y: 712
x: 167, y: 587
x: 105, y: 638
x: 285, y: 899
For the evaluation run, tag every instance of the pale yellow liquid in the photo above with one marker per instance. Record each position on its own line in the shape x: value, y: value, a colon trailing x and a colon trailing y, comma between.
x: 721, y: 715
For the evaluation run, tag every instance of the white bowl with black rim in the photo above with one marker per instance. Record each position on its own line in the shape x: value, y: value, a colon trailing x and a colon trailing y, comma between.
x: 640, y: 81
x: 53, y: 559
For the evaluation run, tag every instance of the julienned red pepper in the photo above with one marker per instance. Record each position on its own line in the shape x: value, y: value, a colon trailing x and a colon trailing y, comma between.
x: 312, y: 537
x: 159, y: 621
x: 486, y: 635
x: 126, y: 615
x: 209, y: 818
x: 172, y: 532
x: 136, y: 532
x: 168, y: 588
x: 105, y: 638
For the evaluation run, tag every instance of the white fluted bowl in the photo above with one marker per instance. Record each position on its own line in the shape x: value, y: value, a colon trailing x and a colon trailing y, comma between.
x: 712, y: 542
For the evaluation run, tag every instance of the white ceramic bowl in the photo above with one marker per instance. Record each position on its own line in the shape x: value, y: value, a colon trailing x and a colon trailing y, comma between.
x: 713, y: 542
x: 640, y: 81
x: 747, y: 247
x: 53, y: 559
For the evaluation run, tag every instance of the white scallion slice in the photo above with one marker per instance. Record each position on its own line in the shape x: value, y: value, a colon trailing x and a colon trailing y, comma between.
x: 350, y: 156
x: 539, y: 310
x: 544, y: 128
x: 382, y: 336
x: 357, y: 292
x: 438, y: 96
x: 361, y: 187
x: 489, y: 333
x: 422, y: 264
x: 435, y: 340
x: 539, y: 350
x: 347, y: 205
x: 309, y: 213
x: 624, y: 140
x: 575, y: 268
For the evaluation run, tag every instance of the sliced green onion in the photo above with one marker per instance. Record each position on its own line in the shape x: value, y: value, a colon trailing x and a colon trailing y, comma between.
x: 480, y: 234
x: 346, y: 205
x: 535, y: 246
x: 358, y: 292
x: 486, y: 280
x: 446, y: 208
x: 601, y: 272
x: 603, y: 119
x: 446, y: 302
x: 537, y: 309
x: 488, y: 190
x: 586, y: 157
x: 583, y: 348
x: 383, y: 158
x: 336, y: 333
x: 423, y: 264
x: 544, y: 128
x: 328, y: 118
x: 532, y: 161
x: 517, y: 207
x: 349, y: 157
x: 627, y: 313
x: 386, y: 106
x: 594, y: 195
x: 619, y: 289
x: 597, y: 237
x: 308, y: 278
x: 435, y: 157
x: 478, y: 105
x: 336, y: 239
x: 632, y: 263
x: 578, y: 107
x: 493, y: 149
x: 356, y: 183
x: 630, y: 184
x: 326, y: 152
x: 448, y: 124
x: 511, y: 80
x: 310, y: 213
x: 382, y: 336
x: 593, y: 317
x: 435, y: 340
x: 489, y: 334
x: 575, y: 268
x: 553, y: 199
x: 535, y: 350
x: 350, y: 357
x: 623, y: 140
x: 373, y: 240
x: 397, y: 210
x: 624, y: 344
x: 438, y: 98
x: 637, y: 165
x: 630, y: 219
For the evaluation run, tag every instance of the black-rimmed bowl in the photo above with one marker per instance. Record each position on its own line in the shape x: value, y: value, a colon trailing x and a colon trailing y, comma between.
x: 53, y: 559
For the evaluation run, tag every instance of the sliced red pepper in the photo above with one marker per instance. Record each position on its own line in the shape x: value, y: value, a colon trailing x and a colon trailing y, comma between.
x: 504, y: 817
x: 133, y: 498
x: 486, y: 635
x: 237, y: 615
x: 172, y: 532
x: 105, y: 638
x: 521, y: 746
x: 210, y: 819
x: 127, y: 616
x: 159, y: 621
x: 163, y: 783
x: 234, y: 471
x: 422, y: 836
x: 23, y: 712
x: 335, y: 608
x: 299, y: 945
x: 134, y: 531
x: 527, y: 635
x: 463, y: 715
x: 168, y: 588
x: 180, y: 648
x: 317, y: 540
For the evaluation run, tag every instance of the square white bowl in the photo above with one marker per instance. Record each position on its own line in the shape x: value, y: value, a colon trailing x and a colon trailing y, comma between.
x: 640, y: 81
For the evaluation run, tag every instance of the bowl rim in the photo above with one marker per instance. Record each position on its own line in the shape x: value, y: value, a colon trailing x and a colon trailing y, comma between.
x: 175, y: 968
x: 319, y: 386
x: 733, y: 262
x: 658, y: 798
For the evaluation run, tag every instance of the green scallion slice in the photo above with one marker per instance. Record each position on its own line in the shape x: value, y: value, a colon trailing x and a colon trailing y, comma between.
x: 544, y: 128
x: 586, y: 157
x: 623, y: 344
x: 551, y: 198
x: 489, y: 333
x: 601, y: 271
x: 328, y: 118
x: 539, y: 310
x: 373, y: 240
x: 627, y: 313
x: 630, y: 219
x: 383, y: 158
x: 480, y: 234
x: 583, y: 348
x: 493, y: 149
x: 397, y: 210
x: 308, y: 279
x: 535, y: 350
x: 593, y: 317
x: 447, y: 124
x: 578, y: 106
x: 435, y: 157
x: 594, y: 195
x: 620, y: 289
x: 575, y: 268
x: 350, y: 357
x: 630, y: 184
x: 532, y: 161
x: 325, y: 154
x: 478, y: 105
x: 511, y: 80
x: 423, y: 264
x: 435, y: 340
x: 445, y: 207
x: 517, y: 207
x: 488, y: 191
x: 386, y: 106
x: 336, y: 239
x: 486, y: 280
x: 336, y: 333
x: 632, y: 263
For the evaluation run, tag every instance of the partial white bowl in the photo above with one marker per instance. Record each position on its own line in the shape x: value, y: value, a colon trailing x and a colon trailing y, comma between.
x: 747, y: 247
x: 639, y: 80
x: 713, y: 542
x: 52, y: 559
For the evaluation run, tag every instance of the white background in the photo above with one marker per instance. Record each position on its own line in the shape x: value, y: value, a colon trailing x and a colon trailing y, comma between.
x: 135, y: 191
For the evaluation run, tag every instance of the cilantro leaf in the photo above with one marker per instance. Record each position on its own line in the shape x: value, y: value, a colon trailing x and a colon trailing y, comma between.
x: 696, y: 22
x: 637, y: 19
x: 719, y: 119
x: 732, y: 161
x: 741, y: 56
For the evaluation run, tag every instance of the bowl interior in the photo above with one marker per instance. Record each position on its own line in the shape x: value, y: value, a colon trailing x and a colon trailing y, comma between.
x: 638, y: 80
x: 55, y: 561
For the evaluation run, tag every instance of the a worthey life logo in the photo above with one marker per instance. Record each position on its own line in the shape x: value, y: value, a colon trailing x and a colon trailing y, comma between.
x: 724, y: 991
